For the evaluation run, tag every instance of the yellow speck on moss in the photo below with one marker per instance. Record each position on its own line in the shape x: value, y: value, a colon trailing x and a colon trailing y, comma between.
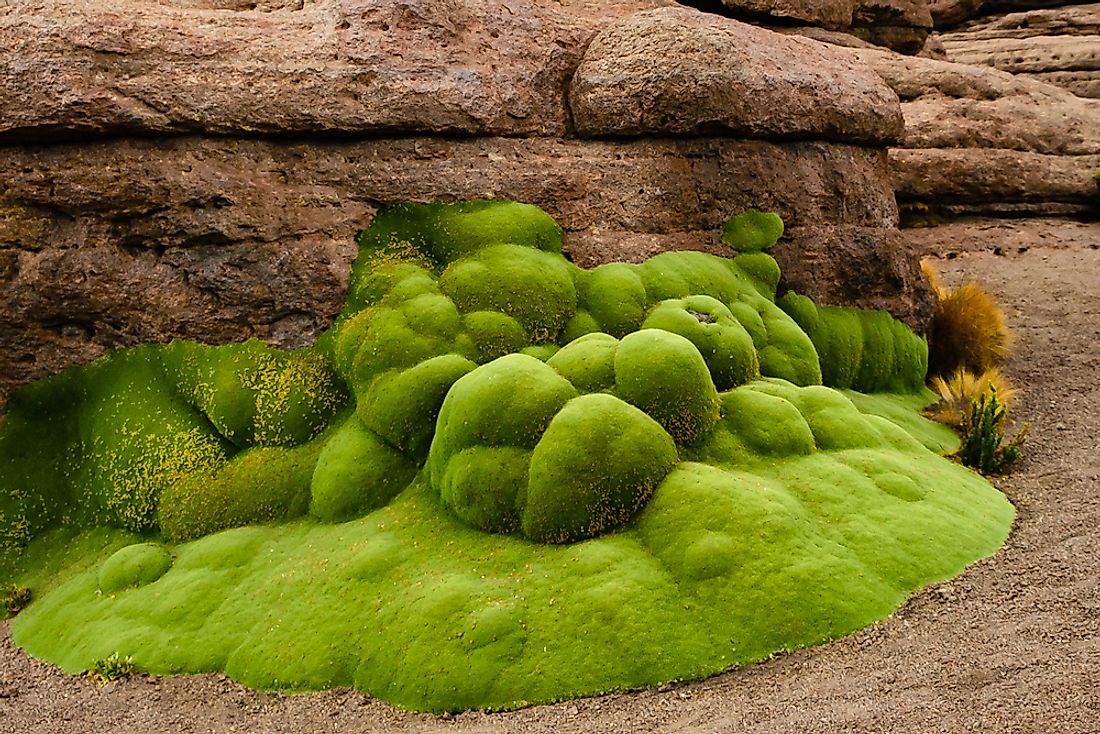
x: 306, y: 378
x: 16, y: 532
x: 137, y: 484
x: 399, y: 252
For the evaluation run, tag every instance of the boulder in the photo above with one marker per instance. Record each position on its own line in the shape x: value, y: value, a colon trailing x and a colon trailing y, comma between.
x: 857, y: 266
x: 1060, y: 45
x: 947, y: 13
x: 834, y: 14
x: 822, y: 35
x: 677, y: 71
x: 900, y: 25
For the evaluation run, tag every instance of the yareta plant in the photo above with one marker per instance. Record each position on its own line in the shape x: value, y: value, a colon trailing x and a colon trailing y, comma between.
x: 498, y: 479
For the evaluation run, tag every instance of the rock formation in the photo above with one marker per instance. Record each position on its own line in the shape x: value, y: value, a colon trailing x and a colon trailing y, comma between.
x: 198, y: 168
x: 982, y: 141
x: 1056, y: 45
x: 900, y: 25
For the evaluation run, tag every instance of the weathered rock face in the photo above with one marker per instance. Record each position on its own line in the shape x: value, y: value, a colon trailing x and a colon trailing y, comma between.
x: 1060, y: 46
x: 1004, y: 182
x: 834, y: 14
x: 682, y: 72
x: 1003, y: 236
x: 946, y: 13
x: 982, y: 141
x: 900, y: 25
x: 1012, y: 6
x: 219, y: 240
x: 198, y: 168
x: 324, y: 66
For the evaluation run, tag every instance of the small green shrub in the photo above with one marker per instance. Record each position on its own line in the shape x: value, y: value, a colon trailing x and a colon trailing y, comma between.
x: 16, y: 598
x: 111, y: 668
x: 983, y: 437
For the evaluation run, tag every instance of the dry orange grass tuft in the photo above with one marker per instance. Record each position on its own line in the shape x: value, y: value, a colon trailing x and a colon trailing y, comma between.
x: 968, y: 329
x: 958, y: 390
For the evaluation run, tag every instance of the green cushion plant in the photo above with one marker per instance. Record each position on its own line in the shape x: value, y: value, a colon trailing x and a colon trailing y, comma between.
x: 498, y: 479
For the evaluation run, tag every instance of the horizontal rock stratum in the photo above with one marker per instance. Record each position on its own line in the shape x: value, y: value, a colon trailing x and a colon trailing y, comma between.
x: 983, y: 141
x: 71, y: 68
x: 218, y: 240
x: 1056, y: 45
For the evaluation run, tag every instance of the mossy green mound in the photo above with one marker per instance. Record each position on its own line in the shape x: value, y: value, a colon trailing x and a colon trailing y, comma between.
x: 752, y: 231
x: 533, y: 480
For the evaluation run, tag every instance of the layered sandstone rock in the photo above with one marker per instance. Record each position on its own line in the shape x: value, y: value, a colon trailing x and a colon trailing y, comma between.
x: 834, y: 14
x: 900, y: 25
x: 79, y: 68
x: 1059, y: 45
x: 198, y: 168
x: 947, y: 13
x: 978, y: 140
x: 1003, y: 236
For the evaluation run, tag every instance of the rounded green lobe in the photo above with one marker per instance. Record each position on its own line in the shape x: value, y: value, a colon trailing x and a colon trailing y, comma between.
x: 663, y: 374
x: 724, y: 343
x: 594, y: 468
x: 135, y: 565
x: 752, y: 230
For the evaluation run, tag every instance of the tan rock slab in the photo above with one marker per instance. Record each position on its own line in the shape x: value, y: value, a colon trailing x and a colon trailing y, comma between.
x: 1057, y: 45
x: 80, y: 68
x: 833, y: 14
x: 679, y: 71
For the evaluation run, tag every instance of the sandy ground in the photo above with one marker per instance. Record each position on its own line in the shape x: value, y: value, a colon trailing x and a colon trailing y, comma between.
x: 1011, y: 645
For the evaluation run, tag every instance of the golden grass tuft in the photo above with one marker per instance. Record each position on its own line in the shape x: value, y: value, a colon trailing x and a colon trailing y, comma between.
x: 958, y: 390
x: 932, y: 275
x: 968, y: 329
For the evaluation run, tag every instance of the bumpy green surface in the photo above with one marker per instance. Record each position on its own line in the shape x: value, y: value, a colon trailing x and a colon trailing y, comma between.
x: 498, y: 479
